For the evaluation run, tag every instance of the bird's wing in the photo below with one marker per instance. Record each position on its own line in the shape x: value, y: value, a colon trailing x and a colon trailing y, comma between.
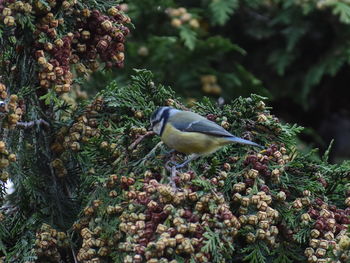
x: 192, y: 122
x: 207, y: 127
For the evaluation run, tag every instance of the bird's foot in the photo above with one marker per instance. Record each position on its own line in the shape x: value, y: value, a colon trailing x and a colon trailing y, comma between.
x: 176, y: 165
x: 169, y: 153
x: 170, y: 164
x: 181, y: 165
x: 173, y: 186
x: 172, y: 179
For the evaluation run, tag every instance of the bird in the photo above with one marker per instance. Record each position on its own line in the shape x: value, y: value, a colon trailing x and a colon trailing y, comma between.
x: 190, y: 133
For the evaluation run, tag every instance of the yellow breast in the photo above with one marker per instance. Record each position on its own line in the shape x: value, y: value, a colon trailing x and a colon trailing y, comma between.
x: 191, y: 142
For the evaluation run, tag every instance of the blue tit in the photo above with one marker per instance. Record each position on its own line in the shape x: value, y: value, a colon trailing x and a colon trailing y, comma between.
x: 190, y: 133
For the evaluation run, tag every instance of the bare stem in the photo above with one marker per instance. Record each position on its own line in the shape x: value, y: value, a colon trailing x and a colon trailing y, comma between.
x: 31, y: 124
x: 73, y: 253
x: 141, y: 138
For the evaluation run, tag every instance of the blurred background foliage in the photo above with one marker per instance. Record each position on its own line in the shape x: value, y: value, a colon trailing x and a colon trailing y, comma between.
x: 81, y: 191
x: 295, y: 52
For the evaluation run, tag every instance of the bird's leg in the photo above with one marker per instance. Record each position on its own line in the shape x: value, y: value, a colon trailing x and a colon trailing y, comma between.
x: 173, y: 172
x: 175, y: 166
x: 172, y: 155
x: 172, y: 178
x: 190, y: 158
x: 169, y: 153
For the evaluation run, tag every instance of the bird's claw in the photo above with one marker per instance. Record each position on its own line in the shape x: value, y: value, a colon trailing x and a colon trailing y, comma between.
x: 169, y: 153
x: 173, y: 186
x: 173, y: 169
x: 172, y: 164
x: 172, y: 179
x: 176, y: 165
x: 181, y: 165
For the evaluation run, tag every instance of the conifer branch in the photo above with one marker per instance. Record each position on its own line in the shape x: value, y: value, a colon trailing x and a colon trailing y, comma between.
x: 74, y: 256
x: 31, y: 124
x: 140, y: 139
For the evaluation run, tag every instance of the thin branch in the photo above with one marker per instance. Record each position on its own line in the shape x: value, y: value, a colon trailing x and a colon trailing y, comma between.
x: 150, y: 153
x: 73, y: 253
x: 5, y: 133
x: 31, y: 124
x: 141, y: 138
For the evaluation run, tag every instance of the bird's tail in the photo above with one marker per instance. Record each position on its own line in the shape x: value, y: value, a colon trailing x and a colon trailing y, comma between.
x: 243, y: 141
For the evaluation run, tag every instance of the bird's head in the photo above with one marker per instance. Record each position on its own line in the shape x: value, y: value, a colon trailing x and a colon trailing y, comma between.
x: 159, y: 118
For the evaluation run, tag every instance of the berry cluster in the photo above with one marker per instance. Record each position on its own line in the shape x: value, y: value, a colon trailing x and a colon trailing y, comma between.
x: 260, y: 164
x: 343, y: 247
x: 3, y: 92
x: 93, y: 247
x: 11, y: 109
x: 84, y: 128
x: 210, y: 85
x: 102, y: 36
x: 180, y: 16
x: 329, y: 222
x: 94, y: 37
x: 10, y: 8
x: 53, y: 57
x: 81, y: 130
x: 256, y: 214
x: 5, y: 159
x: 329, y: 225
x: 97, y: 37
x: 48, y: 243
x: 173, y: 222
x: 157, y: 222
x: 264, y: 118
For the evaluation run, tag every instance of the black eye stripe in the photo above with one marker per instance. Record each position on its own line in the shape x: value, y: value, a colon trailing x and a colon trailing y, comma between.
x: 155, y: 122
x: 165, y: 117
x: 154, y: 115
x: 160, y: 116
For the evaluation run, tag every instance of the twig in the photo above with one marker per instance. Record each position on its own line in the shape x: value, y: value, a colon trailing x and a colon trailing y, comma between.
x: 168, y: 167
x: 139, y: 139
x: 9, y: 209
x: 31, y: 124
x: 73, y: 253
x: 172, y: 178
x: 214, y: 193
x: 148, y: 155
x: 5, y: 133
x: 173, y: 173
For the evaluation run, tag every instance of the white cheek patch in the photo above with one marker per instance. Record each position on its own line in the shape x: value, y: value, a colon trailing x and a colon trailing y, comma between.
x: 158, y: 127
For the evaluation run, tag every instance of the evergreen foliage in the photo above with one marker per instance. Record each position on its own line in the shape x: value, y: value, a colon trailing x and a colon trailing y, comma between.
x: 294, y: 52
x: 92, y: 183
x: 220, y: 196
x: 303, y: 42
